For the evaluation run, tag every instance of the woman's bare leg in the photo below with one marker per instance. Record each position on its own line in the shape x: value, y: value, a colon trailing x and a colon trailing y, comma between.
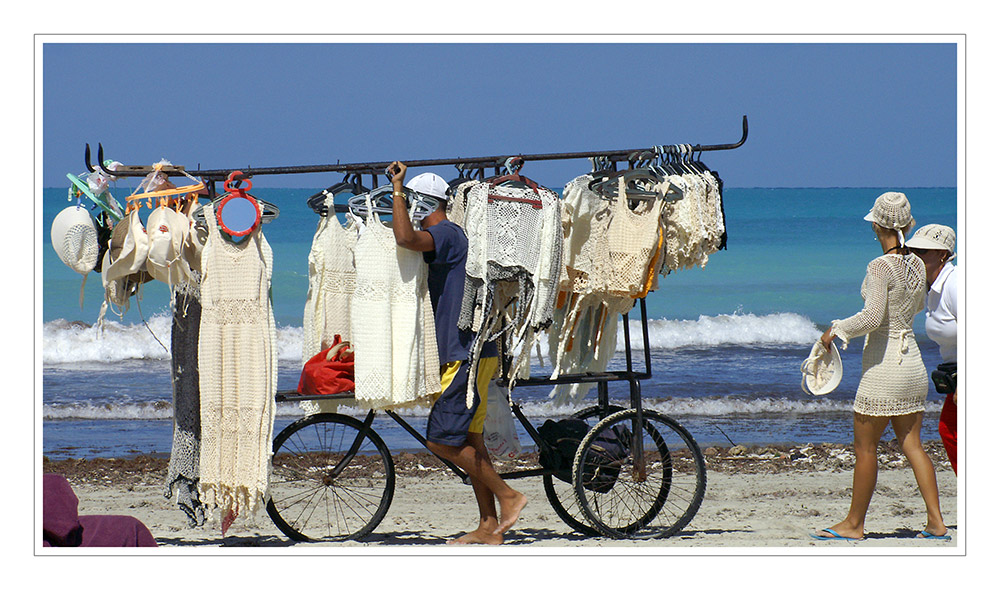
x: 907, y: 430
x: 867, y: 432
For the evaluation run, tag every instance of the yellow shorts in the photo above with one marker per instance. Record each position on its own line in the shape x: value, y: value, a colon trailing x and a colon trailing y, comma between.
x: 446, y: 424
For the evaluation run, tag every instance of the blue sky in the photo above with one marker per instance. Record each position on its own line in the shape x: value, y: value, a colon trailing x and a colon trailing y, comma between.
x: 820, y: 114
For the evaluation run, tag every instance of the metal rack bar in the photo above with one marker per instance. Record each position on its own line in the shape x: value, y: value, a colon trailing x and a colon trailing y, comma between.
x: 378, y: 167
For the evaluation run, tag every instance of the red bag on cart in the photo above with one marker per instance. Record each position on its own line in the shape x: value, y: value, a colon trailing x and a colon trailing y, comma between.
x: 330, y: 371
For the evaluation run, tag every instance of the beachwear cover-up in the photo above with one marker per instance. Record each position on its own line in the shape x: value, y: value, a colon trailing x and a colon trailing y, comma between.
x: 395, y: 347
x: 893, y: 376
x: 331, y: 284
x: 513, y: 266
x: 237, y: 370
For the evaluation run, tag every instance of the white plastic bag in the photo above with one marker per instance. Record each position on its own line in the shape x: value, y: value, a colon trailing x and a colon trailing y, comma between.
x: 499, y: 432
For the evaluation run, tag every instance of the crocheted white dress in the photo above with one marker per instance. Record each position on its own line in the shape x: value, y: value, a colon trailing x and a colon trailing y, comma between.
x: 395, y: 345
x: 331, y: 284
x: 893, y: 376
x: 237, y: 371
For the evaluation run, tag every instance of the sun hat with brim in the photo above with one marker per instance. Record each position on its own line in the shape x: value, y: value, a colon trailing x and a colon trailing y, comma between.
x: 822, y: 371
x: 933, y: 237
x: 891, y: 211
x: 74, y: 238
x: 128, y: 248
x: 167, y: 230
x: 429, y: 184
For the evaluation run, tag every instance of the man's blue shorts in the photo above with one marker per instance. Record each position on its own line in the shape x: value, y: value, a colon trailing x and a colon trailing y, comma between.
x: 450, y: 421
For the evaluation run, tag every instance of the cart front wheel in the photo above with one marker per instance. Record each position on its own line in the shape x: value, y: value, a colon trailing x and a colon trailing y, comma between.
x: 626, y: 492
x: 332, y: 479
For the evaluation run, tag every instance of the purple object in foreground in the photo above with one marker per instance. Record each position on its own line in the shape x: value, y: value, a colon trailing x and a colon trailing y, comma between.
x: 63, y: 527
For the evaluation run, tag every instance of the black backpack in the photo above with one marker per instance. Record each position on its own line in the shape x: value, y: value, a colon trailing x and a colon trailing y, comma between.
x: 604, y: 462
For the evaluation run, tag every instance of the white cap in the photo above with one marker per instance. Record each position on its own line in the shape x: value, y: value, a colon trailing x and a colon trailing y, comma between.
x: 430, y: 184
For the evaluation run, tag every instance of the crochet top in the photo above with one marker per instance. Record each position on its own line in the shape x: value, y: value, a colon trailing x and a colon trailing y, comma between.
x: 237, y: 370
x: 515, y: 241
x: 392, y: 322
x: 693, y: 225
x: 894, y: 379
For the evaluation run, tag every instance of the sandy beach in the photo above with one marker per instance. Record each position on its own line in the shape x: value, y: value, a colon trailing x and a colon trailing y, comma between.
x: 756, y: 498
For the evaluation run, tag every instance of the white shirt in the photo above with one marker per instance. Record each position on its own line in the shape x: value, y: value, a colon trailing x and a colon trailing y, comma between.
x: 942, y: 312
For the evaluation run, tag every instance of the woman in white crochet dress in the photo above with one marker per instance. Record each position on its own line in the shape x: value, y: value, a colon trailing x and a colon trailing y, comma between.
x: 893, y: 384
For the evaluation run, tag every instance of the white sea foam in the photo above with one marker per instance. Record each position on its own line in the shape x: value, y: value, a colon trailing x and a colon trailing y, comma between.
x: 696, y: 407
x: 75, y: 342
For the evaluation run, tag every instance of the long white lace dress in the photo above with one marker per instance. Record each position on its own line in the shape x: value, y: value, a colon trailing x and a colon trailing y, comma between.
x: 893, y: 376
x: 237, y: 371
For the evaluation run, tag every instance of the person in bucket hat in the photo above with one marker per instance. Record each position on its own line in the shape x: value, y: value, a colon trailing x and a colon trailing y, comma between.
x: 893, y: 384
x: 935, y: 245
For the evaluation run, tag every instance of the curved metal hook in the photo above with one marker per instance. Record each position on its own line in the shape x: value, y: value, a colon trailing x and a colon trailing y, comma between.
x: 86, y: 158
x: 100, y: 160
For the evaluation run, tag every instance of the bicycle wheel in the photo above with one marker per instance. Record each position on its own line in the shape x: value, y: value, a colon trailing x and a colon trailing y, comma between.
x: 320, y: 489
x: 622, y: 497
x: 561, y: 494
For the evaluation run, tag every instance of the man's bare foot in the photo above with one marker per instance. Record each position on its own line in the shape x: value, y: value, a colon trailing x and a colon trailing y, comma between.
x: 510, y: 510
x: 478, y: 537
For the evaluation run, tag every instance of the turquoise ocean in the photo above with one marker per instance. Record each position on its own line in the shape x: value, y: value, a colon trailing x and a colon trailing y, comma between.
x: 726, y: 341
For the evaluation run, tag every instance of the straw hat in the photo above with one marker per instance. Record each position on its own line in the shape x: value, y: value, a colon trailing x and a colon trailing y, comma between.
x: 933, y: 237
x: 74, y: 238
x: 892, y: 211
x: 167, y: 230
x: 822, y: 371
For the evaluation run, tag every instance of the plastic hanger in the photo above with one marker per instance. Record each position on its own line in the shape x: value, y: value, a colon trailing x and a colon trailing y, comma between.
x: 268, y: 211
x: 317, y: 202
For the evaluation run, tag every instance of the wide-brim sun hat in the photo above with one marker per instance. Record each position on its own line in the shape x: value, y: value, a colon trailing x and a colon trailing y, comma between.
x: 167, y: 230
x: 74, y: 238
x: 892, y: 211
x: 429, y: 184
x: 933, y: 236
x: 822, y: 370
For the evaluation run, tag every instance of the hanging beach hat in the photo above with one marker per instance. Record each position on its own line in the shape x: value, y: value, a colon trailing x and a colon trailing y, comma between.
x: 167, y: 230
x: 129, y: 247
x: 822, y: 371
x: 74, y: 238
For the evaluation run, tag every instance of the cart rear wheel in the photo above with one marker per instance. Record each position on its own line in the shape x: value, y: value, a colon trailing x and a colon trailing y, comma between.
x: 561, y: 494
x: 622, y: 496
x: 320, y: 489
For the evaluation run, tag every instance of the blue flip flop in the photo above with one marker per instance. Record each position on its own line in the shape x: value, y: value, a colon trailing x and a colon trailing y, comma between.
x: 926, y: 535
x: 835, y: 537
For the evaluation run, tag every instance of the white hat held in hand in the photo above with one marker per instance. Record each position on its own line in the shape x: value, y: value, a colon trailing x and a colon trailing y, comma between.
x: 822, y: 371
